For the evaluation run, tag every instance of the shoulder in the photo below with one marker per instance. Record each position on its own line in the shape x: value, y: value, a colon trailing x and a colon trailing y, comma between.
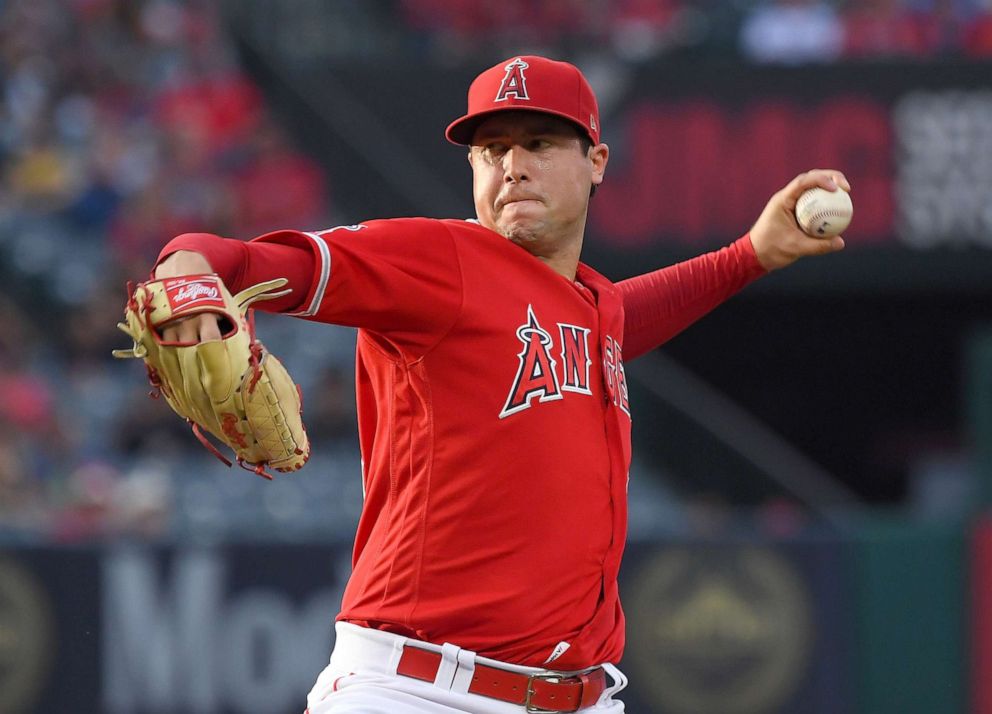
x: 400, y: 234
x: 469, y: 227
x: 463, y: 224
x: 416, y: 227
x: 467, y: 235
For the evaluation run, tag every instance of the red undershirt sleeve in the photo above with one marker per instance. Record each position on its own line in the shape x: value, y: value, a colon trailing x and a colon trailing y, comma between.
x: 241, y: 264
x: 660, y: 304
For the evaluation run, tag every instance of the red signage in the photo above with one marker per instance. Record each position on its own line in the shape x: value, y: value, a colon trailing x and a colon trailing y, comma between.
x: 697, y: 173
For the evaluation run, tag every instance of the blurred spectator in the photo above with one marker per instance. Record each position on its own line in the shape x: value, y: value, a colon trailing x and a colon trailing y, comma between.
x: 792, y: 32
x: 23, y: 503
x: 86, y: 504
x: 885, y: 28
x: 641, y: 29
x: 896, y: 28
x: 454, y: 28
x: 977, y: 32
x: 277, y: 188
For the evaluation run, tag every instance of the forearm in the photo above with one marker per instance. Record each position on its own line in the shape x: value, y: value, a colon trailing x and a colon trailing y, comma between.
x: 660, y: 304
x: 241, y: 264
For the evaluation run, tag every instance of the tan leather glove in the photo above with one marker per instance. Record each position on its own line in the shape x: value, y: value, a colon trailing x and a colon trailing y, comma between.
x: 231, y: 387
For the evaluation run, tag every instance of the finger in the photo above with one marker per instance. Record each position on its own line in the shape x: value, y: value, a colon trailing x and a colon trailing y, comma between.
x: 832, y: 180
x: 180, y: 331
x: 209, y: 327
x: 828, y: 179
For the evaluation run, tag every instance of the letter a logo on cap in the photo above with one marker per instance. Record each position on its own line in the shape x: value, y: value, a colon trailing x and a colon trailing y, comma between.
x: 514, y: 83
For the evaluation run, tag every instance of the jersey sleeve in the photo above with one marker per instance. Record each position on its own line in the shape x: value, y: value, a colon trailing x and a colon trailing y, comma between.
x: 240, y: 264
x: 660, y: 304
x: 398, y: 278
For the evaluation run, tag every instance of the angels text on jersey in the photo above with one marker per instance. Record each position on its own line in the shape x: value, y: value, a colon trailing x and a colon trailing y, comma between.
x: 542, y: 377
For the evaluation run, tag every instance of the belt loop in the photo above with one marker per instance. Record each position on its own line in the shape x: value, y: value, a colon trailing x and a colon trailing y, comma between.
x: 396, y: 652
x: 465, y: 673
x: 448, y: 666
x: 619, y: 682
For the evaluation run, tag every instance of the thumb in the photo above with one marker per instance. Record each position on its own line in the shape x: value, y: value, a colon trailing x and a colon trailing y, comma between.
x: 824, y: 246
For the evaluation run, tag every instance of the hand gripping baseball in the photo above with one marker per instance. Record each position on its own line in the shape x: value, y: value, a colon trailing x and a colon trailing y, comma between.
x: 777, y: 239
x: 230, y: 386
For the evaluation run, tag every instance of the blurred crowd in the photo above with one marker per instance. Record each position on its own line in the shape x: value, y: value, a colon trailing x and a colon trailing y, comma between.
x: 122, y: 124
x: 125, y: 122
x: 786, y: 31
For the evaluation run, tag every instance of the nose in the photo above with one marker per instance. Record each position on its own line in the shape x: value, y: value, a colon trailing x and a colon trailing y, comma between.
x: 515, y: 164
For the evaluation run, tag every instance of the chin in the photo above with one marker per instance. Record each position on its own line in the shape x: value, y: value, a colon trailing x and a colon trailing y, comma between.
x: 520, y: 235
x: 522, y: 231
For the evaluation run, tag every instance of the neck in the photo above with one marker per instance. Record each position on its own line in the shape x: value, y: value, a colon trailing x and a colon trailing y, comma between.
x: 565, y: 263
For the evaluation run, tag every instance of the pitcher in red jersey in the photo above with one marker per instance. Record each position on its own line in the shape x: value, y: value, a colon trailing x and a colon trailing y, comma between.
x: 493, y: 407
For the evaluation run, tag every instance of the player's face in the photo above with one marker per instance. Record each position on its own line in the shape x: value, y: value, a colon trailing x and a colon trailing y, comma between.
x: 532, y: 178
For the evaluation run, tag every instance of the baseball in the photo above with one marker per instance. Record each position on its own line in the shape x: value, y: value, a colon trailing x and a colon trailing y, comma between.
x: 822, y: 214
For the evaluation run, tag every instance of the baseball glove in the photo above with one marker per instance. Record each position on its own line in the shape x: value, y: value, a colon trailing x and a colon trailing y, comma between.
x: 231, y: 387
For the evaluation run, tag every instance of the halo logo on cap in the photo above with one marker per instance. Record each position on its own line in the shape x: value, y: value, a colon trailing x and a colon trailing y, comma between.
x: 514, y: 82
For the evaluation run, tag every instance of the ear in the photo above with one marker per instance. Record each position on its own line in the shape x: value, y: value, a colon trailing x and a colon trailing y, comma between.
x: 599, y: 155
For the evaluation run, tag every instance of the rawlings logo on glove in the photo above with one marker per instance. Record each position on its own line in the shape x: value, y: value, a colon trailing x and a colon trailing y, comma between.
x: 231, y: 387
x: 184, y: 293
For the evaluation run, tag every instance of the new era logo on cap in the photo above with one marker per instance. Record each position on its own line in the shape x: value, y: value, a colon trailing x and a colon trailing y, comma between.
x: 529, y: 83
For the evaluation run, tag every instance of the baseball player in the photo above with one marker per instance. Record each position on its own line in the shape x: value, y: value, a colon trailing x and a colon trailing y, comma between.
x: 493, y: 407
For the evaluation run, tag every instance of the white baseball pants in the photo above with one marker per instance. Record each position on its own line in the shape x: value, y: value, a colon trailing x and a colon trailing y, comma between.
x: 361, y: 679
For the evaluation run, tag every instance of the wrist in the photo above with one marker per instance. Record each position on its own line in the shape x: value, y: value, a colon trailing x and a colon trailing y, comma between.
x: 182, y: 262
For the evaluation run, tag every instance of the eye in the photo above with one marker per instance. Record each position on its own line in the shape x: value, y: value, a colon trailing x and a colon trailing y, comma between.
x: 493, y: 150
x: 538, y: 144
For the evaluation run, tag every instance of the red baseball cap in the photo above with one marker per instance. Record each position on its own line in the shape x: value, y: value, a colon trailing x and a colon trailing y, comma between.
x: 529, y: 83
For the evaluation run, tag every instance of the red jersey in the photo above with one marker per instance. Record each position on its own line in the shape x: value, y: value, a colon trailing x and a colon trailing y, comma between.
x: 494, y: 425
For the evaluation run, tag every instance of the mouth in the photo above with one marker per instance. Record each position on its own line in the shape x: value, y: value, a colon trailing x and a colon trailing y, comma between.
x: 522, y: 199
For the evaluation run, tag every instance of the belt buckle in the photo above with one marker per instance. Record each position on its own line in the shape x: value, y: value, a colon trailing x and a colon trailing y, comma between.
x: 530, y: 708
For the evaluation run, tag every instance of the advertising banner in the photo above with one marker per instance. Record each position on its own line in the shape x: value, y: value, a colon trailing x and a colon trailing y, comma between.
x: 745, y: 625
x: 49, y: 630
x: 738, y: 628
x: 160, y: 630
x: 698, y: 150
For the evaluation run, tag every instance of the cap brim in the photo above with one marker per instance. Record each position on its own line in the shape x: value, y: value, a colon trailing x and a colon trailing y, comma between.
x: 461, y: 130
